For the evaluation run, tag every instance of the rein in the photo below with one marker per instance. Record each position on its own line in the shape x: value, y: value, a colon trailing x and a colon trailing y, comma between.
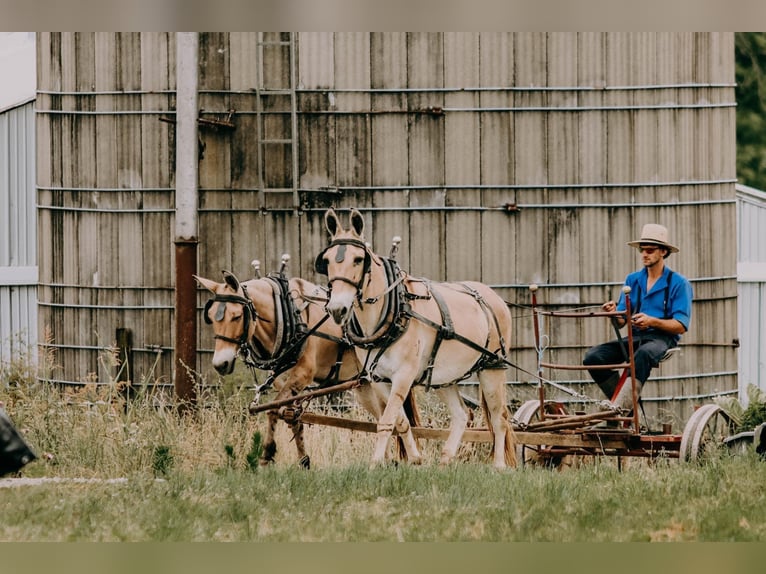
x: 292, y: 332
x: 398, y: 312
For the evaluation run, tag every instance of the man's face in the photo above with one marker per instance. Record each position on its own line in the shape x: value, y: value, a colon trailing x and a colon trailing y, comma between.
x: 651, y: 254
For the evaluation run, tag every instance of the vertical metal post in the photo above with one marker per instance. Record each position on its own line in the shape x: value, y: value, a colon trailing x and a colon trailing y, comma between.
x: 536, y: 326
x: 187, y: 181
x: 631, y: 355
x: 294, y: 119
x: 124, y: 340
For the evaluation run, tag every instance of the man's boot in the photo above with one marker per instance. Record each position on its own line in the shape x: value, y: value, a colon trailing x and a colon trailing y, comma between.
x: 609, y: 385
x: 624, y: 399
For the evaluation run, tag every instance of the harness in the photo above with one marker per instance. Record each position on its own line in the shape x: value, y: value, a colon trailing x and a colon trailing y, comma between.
x: 292, y: 332
x: 446, y: 330
x: 398, y: 312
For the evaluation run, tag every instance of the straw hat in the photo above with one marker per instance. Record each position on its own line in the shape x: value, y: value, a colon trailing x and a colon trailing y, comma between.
x: 656, y: 235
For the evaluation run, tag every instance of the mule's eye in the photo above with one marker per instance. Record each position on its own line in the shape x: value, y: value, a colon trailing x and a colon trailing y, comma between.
x: 236, y: 317
x: 358, y: 260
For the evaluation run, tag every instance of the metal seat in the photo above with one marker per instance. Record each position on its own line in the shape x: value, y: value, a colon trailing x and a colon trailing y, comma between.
x: 669, y: 354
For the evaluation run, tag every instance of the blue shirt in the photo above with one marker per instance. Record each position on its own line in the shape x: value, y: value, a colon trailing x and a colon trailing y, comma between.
x: 678, y: 305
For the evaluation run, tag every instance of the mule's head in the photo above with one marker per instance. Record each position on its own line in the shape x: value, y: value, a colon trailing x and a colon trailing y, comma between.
x: 230, y: 314
x: 346, y: 262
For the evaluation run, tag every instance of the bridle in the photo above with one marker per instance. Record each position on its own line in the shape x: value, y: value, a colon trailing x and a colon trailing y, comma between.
x: 249, y: 315
x: 320, y: 265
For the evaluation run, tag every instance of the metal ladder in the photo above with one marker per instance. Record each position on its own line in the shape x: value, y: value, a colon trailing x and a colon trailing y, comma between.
x: 292, y: 140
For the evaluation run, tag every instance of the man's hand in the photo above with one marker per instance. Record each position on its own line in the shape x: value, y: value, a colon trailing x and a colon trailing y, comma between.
x: 609, y: 306
x: 642, y: 320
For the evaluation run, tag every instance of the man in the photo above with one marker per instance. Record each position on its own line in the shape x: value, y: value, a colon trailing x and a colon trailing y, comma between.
x: 661, y: 303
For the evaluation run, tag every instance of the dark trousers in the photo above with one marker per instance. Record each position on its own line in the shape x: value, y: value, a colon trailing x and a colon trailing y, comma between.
x: 648, y: 349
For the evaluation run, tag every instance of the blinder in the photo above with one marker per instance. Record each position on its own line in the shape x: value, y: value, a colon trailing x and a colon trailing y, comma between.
x: 248, y: 314
x: 206, y: 312
x: 320, y: 265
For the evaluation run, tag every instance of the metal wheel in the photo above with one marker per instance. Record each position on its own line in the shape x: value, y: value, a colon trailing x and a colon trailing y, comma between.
x: 527, y: 413
x: 705, y: 432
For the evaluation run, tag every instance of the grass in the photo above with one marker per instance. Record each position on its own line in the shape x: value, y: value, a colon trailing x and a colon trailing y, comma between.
x: 463, y: 502
x: 195, y: 478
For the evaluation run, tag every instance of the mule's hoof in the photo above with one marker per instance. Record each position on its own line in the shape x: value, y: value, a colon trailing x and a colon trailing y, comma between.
x: 252, y: 408
x: 305, y: 462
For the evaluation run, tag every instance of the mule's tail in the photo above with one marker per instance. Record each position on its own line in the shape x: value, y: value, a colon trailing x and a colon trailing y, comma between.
x: 510, y: 436
x: 413, y: 417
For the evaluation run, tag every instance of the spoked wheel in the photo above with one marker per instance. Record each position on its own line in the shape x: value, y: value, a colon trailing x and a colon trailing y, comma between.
x: 529, y: 412
x: 705, y: 432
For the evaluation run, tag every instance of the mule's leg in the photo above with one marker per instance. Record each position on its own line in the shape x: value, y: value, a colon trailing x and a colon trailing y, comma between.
x: 291, y: 383
x: 458, y: 421
x: 492, y: 382
x: 269, y: 444
x: 373, y: 398
x: 391, y: 415
x: 300, y: 444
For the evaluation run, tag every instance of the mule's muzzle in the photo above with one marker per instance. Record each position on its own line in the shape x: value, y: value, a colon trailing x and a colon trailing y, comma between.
x: 339, y: 314
x: 225, y: 368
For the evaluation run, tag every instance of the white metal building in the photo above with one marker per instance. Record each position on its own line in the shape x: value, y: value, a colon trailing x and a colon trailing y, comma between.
x: 18, y: 231
x: 18, y: 214
x: 751, y: 278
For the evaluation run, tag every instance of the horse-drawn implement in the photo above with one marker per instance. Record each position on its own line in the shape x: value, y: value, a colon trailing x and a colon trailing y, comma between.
x: 392, y: 331
x: 607, y: 431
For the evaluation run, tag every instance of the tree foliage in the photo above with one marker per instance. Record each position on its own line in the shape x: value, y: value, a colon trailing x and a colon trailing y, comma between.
x: 750, y: 54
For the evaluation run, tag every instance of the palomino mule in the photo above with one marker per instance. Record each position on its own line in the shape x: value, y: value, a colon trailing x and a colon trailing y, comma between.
x: 280, y: 325
x: 409, y: 331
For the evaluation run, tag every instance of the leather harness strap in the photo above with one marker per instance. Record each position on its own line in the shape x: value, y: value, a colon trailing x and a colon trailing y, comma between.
x: 396, y: 317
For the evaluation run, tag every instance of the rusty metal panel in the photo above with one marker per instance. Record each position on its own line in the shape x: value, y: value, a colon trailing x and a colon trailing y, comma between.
x: 463, y: 230
x: 315, y: 57
x: 426, y: 154
x: 108, y: 176
x: 388, y: 145
x: 352, y: 65
x: 498, y: 248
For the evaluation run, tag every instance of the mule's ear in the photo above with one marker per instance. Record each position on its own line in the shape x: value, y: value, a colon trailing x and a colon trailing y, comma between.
x: 357, y: 222
x: 206, y: 283
x: 231, y: 280
x: 331, y: 222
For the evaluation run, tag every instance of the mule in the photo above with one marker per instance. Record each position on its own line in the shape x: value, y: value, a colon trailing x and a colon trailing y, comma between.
x: 280, y: 325
x: 410, y: 331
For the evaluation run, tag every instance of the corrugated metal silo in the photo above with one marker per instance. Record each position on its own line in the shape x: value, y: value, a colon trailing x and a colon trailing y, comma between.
x: 511, y: 158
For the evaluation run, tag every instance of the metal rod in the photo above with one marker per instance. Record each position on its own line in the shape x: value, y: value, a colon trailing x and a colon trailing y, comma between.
x: 304, y: 396
x: 186, y: 225
x: 102, y: 210
x: 294, y: 119
x: 107, y: 307
x: 585, y: 367
x: 446, y: 187
x: 520, y: 109
x: 102, y: 348
x: 691, y: 85
x: 441, y: 110
x: 597, y: 284
x: 105, y: 112
x: 631, y: 355
x: 538, y: 348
